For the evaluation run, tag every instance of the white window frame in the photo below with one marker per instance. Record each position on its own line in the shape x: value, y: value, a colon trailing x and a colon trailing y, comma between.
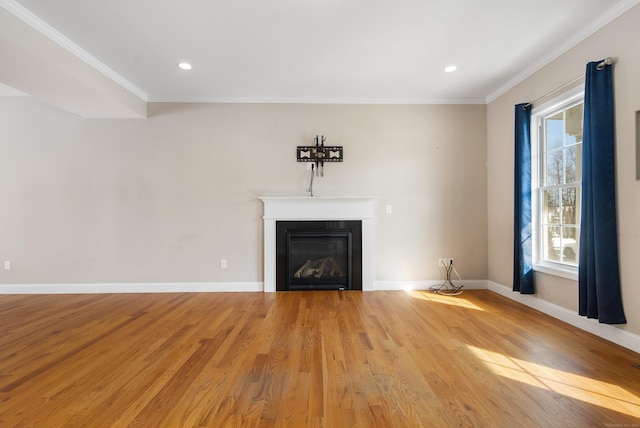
x: 568, y: 99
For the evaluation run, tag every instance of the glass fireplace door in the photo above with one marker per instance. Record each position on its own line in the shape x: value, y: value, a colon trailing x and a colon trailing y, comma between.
x: 319, y: 260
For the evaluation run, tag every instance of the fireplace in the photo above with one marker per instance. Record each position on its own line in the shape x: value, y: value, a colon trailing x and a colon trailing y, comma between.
x: 318, y: 255
x: 319, y: 208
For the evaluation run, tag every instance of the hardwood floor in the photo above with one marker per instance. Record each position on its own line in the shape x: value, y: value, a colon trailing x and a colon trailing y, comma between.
x: 317, y: 359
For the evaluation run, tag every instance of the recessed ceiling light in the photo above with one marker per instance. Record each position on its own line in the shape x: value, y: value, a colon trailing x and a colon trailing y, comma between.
x: 184, y: 65
x: 450, y: 68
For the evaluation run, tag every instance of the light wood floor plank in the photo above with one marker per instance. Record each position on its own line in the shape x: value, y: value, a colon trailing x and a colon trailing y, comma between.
x: 314, y: 359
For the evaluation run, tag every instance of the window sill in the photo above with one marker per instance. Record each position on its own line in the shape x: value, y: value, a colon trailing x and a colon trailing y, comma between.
x: 568, y: 272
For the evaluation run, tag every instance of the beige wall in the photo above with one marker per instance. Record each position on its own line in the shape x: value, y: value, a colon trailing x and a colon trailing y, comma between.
x: 620, y: 40
x: 163, y: 199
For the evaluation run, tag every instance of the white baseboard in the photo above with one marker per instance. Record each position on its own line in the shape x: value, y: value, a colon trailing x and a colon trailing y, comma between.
x: 200, y: 287
x: 156, y: 287
x: 606, y: 331
x: 424, y: 285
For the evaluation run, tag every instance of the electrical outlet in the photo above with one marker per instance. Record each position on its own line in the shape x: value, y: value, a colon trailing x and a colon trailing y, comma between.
x: 7, y: 265
x: 223, y: 263
x: 445, y: 261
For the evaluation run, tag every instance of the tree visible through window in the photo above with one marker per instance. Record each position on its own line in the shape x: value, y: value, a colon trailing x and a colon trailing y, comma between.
x: 559, y: 187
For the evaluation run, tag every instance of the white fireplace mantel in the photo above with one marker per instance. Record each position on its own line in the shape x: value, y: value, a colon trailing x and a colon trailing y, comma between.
x: 300, y: 208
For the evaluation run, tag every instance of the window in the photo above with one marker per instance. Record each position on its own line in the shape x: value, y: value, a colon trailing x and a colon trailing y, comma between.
x: 556, y: 180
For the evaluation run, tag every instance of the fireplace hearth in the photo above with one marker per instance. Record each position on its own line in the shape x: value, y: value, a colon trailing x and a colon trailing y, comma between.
x: 318, y: 255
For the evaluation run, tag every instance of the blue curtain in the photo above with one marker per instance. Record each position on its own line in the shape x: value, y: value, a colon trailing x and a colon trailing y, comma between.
x: 599, y: 276
x: 522, y: 245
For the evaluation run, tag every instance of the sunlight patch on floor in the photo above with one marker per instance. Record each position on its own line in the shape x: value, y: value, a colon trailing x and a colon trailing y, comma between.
x: 447, y: 300
x: 568, y: 384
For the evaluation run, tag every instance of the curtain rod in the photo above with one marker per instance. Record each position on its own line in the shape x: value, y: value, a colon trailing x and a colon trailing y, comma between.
x: 600, y: 66
x: 556, y: 90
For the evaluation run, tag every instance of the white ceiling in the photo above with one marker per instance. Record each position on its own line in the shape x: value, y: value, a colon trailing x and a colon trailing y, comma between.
x: 342, y: 51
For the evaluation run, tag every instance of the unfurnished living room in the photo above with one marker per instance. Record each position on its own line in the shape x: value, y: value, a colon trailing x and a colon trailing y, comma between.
x: 319, y: 213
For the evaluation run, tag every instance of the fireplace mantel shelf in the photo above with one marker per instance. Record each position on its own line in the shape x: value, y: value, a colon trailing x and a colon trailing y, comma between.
x: 317, y: 198
x: 318, y: 208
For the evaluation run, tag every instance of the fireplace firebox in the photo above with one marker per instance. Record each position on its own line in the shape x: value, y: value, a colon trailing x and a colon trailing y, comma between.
x: 318, y: 255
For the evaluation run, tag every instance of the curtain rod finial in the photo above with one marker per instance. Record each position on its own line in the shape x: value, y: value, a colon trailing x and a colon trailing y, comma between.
x: 607, y: 61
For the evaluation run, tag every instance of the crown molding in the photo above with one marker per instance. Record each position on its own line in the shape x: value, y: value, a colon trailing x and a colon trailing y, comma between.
x: 8, y: 91
x: 48, y: 31
x: 318, y: 100
x: 562, y: 48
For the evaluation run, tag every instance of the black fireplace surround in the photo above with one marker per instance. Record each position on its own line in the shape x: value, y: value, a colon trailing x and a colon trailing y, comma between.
x: 319, y: 255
